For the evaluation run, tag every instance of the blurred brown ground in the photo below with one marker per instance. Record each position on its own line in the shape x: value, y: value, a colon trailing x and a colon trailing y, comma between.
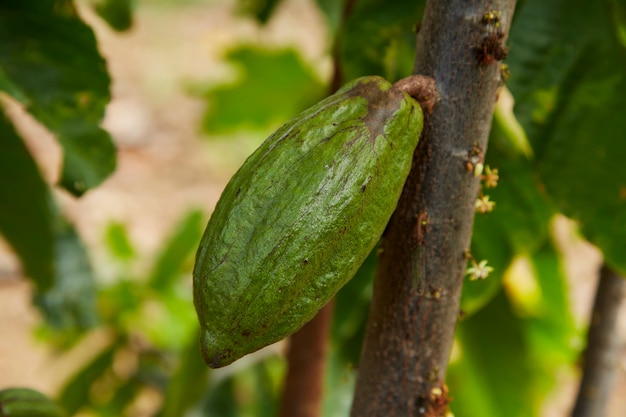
x: 166, y: 166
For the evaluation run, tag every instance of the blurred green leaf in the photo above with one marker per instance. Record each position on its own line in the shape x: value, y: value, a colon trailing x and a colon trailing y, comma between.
x: 549, y: 326
x: 618, y: 9
x: 340, y: 380
x: 493, y: 375
x: 76, y: 393
x: 352, y: 304
x: 25, y: 402
x: 544, y: 45
x: 221, y: 401
x: 119, y: 302
x: 251, y: 392
x: 178, y: 249
x: 188, y: 384
x: 261, y: 10
x: 273, y: 85
x: 568, y: 84
x: 71, y: 301
x: 489, y: 243
x: 379, y: 39
x: 117, y: 13
x: 582, y: 164
x: 510, y: 132
x: 266, y: 390
x: 523, y: 211
x: 50, y: 62
x: 154, y: 367
x: 168, y: 321
x: 49, y: 248
x: 525, y: 342
x: 118, y: 242
x: 351, y: 308
x: 25, y: 208
x: 122, y: 397
x: 333, y: 11
x: 519, y: 224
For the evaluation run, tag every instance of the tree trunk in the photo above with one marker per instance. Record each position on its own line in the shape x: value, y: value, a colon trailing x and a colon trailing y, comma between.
x: 601, y: 359
x: 422, y: 263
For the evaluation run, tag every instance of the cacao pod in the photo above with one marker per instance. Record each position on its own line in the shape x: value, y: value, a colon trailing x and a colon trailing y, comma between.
x: 300, y: 216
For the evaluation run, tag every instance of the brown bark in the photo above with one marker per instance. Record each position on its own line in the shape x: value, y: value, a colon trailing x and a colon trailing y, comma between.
x: 601, y: 359
x: 303, y: 389
x: 421, y: 266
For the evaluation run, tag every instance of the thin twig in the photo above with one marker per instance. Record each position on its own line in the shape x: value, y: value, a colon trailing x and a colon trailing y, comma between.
x: 421, y: 267
x: 601, y: 356
x: 306, y: 358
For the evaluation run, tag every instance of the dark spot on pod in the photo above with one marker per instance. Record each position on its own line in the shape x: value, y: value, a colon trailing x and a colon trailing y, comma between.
x: 218, y: 358
x: 364, y: 186
x: 305, y: 261
x: 245, y: 333
x: 238, y: 192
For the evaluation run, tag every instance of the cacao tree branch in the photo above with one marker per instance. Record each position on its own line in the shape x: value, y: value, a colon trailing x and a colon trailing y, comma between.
x: 601, y: 356
x: 421, y: 265
x: 306, y: 358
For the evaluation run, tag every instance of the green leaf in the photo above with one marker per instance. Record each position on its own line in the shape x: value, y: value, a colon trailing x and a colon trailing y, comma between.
x: 168, y: 323
x: 492, y: 376
x: 544, y: 45
x: 568, y: 84
x: 75, y: 394
x: 549, y: 324
x: 188, y: 383
x: 221, y: 401
x: 121, y: 300
x: 71, y: 301
x: 177, y: 251
x: 123, y: 396
x: 333, y: 11
x: 582, y: 164
x: 266, y: 388
x: 261, y: 10
x: 25, y: 208
x: 379, y: 39
x: 519, y: 224
x: 117, y: 13
x: 340, y: 380
x: 618, y: 8
x: 25, y: 402
x: 49, y: 248
x: 352, y: 304
x: 511, y: 132
x: 118, y: 242
x: 251, y: 392
x: 50, y: 63
x: 273, y: 85
x: 351, y: 308
x: 522, y: 337
x: 523, y: 211
x: 489, y: 243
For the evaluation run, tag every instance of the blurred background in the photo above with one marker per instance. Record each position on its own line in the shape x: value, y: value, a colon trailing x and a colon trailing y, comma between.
x: 196, y: 86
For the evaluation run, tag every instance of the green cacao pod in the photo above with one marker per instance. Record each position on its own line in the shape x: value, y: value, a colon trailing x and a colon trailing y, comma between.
x: 25, y: 402
x: 300, y: 216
